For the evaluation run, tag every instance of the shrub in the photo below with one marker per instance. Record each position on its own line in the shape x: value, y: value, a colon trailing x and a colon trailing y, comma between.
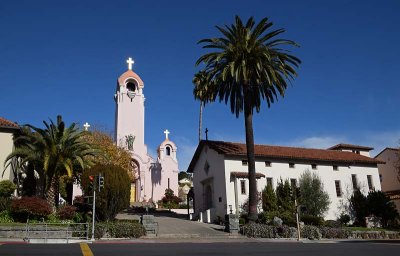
x: 311, y: 232
x: 312, y: 194
x: 5, y: 217
x: 269, y: 199
x: 66, y: 212
x: 338, y: 233
x: 30, y: 207
x: 267, y: 231
x: 170, y: 200
x: 115, y: 195
x: 312, y: 220
x: 5, y: 203
x: 119, y: 229
x: 332, y: 224
x: 358, y: 207
x: 7, y: 188
x: 344, y: 219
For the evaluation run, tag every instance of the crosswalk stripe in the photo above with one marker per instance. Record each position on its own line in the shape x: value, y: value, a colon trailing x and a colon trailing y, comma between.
x: 86, y: 249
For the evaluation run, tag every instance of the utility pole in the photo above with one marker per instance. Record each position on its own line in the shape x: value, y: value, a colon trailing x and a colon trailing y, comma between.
x: 94, y: 208
x: 297, y: 219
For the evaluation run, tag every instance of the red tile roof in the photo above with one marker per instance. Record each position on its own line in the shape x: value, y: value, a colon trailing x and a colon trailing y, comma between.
x: 350, y: 146
x: 246, y: 175
x: 4, y: 123
x: 284, y: 153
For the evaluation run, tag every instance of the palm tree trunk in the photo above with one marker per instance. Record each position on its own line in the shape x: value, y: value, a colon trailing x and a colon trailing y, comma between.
x: 200, y: 119
x: 248, y: 121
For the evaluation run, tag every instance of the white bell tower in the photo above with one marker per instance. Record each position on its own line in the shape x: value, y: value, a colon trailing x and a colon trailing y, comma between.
x: 129, y: 111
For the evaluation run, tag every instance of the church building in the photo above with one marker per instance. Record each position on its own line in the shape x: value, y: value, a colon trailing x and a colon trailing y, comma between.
x: 152, y: 175
x: 220, y: 174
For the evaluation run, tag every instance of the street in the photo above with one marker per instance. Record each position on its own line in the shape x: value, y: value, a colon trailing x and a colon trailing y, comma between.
x: 229, y: 248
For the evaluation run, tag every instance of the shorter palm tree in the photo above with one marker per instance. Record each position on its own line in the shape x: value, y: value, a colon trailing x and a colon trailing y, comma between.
x: 203, y: 93
x: 55, y: 151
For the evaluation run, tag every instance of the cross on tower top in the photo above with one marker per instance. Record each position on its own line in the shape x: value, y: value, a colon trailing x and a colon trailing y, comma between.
x: 130, y: 62
x: 166, y: 134
x: 86, y: 126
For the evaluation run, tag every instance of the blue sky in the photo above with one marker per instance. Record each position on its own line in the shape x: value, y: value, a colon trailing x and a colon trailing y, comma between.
x: 63, y: 57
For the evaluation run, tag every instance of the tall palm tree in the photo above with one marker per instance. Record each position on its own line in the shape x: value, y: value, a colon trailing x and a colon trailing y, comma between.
x: 201, y: 93
x: 248, y: 64
x: 56, y: 151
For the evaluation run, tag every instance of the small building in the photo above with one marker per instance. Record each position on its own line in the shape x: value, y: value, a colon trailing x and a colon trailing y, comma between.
x: 389, y: 173
x: 7, y: 130
x: 220, y: 174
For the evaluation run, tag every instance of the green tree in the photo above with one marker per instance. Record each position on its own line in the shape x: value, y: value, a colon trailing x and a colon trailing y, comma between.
x: 248, y: 64
x: 380, y: 206
x: 115, y: 195
x: 7, y: 188
x: 285, y: 196
x: 312, y: 194
x: 55, y: 151
x: 358, y: 207
x: 269, y: 199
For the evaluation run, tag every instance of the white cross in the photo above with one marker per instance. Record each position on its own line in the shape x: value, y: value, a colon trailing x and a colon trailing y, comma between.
x: 166, y: 134
x: 130, y: 62
x: 86, y: 126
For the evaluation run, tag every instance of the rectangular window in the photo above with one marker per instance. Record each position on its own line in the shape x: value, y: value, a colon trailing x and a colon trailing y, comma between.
x: 370, y: 185
x: 267, y: 164
x: 338, y: 188
x: 314, y: 166
x: 244, y: 162
x: 291, y: 165
x: 354, y: 181
x: 380, y: 177
x: 243, y: 187
x: 293, y: 183
x: 335, y: 168
x: 269, y: 182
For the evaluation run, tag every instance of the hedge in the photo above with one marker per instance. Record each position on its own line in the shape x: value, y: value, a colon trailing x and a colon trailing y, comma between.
x: 313, y: 232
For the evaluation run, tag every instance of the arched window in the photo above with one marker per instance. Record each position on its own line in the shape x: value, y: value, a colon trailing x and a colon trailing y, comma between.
x: 168, y: 151
x: 131, y: 86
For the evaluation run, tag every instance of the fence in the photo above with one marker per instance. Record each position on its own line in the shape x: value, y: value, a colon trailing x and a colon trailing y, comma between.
x: 56, y: 231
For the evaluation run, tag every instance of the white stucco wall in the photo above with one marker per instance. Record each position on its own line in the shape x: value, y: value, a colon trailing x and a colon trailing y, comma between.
x: 6, y: 147
x: 328, y: 176
x: 215, y: 178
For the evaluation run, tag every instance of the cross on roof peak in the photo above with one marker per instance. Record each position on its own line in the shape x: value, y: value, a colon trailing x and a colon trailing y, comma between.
x: 86, y: 126
x: 166, y: 134
x: 130, y: 62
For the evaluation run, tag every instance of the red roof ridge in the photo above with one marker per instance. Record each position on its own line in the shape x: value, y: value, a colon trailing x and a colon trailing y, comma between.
x: 4, y: 123
x: 346, y: 145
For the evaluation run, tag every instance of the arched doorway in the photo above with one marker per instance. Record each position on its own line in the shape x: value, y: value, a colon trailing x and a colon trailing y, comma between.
x: 135, y: 168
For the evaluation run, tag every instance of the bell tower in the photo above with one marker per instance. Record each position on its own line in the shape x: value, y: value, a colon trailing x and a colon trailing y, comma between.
x: 129, y: 111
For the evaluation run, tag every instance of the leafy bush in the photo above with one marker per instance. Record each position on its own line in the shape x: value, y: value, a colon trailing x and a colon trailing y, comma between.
x: 269, y: 199
x: 30, y: 207
x: 119, y: 229
x: 310, y: 232
x: 344, y: 218
x: 312, y: 220
x: 7, y: 188
x: 66, y: 212
x: 115, y: 195
x: 287, y: 217
x: 5, y: 204
x: 5, y: 217
x: 170, y: 200
x: 312, y: 194
x: 332, y: 224
x: 331, y: 232
x: 267, y: 231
